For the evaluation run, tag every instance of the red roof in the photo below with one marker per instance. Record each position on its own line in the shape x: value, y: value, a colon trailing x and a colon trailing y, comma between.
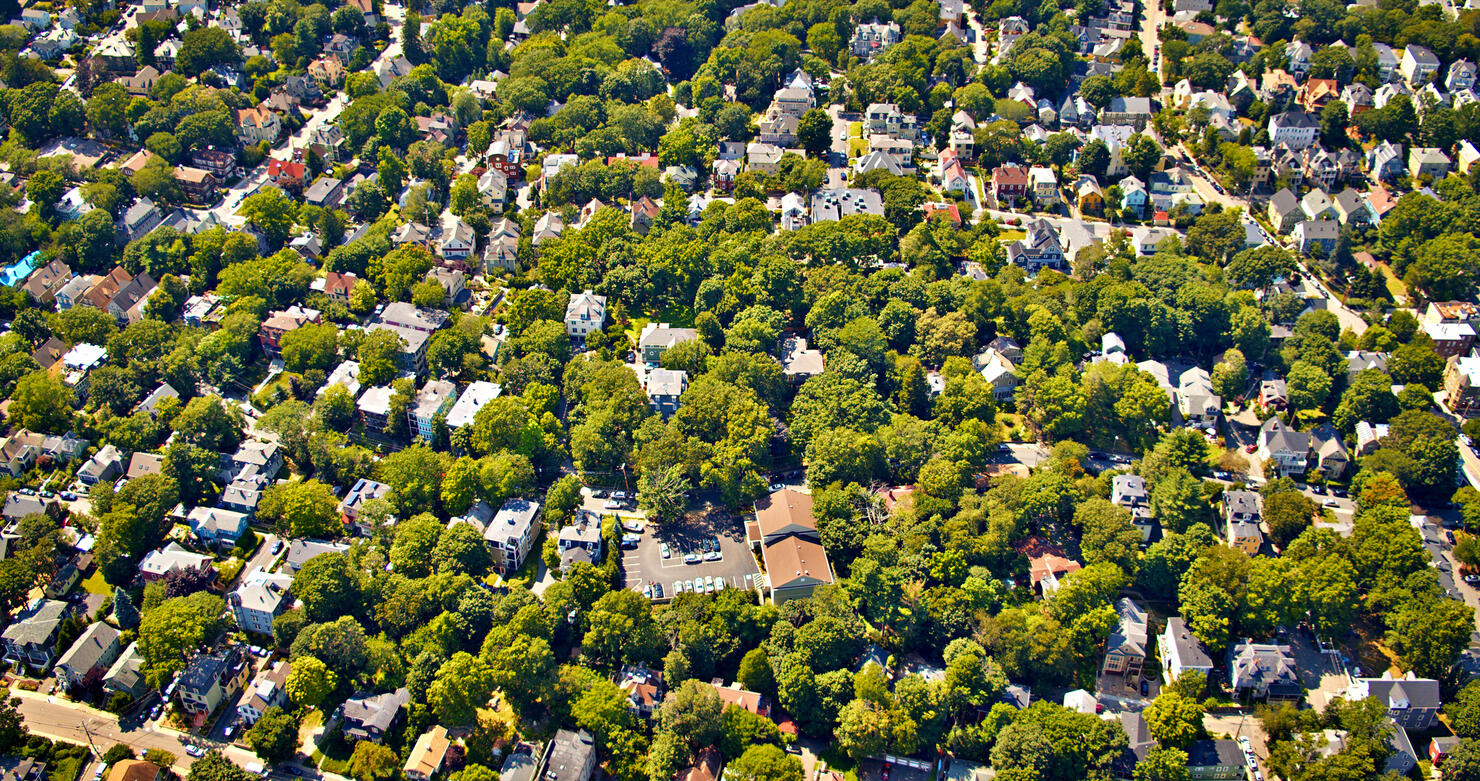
x: 280, y: 168
x: 1009, y: 175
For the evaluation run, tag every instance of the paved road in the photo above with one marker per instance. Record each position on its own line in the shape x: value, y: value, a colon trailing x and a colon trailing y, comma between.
x: 978, y: 46
x: 58, y: 719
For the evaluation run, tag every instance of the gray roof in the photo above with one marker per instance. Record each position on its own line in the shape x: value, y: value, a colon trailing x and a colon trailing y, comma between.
x: 513, y: 520
x: 570, y: 754
x: 1130, y: 636
x: 127, y: 670
x: 1416, y: 692
x: 1252, y: 664
x: 1215, y: 753
x: 1189, y: 650
x: 667, y: 382
x: 89, y: 648
x: 1278, y: 437
x: 377, y: 711
x: 38, y: 625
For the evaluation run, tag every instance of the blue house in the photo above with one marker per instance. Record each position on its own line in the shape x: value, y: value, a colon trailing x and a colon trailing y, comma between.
x: 217, y: 526
x: 10, y: 276
x: 1133, y: 196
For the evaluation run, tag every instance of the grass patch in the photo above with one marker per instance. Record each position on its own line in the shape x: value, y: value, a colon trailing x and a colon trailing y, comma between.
x: 857, y: 147
x: 676, y: 316
x: 855, y: 130
x: 1011, y: 234
x: 95, y: 583
x: 264, y: 398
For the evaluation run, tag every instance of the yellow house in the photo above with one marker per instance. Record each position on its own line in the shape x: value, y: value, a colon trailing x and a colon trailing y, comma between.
x: 1089, y: 197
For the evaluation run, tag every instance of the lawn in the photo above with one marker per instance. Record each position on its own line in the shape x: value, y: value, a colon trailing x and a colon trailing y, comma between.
x: 1395, y: 286
x: 95, y: 583
x: 1011, y: 235
x: 676, y: 316
x: 855, y: 130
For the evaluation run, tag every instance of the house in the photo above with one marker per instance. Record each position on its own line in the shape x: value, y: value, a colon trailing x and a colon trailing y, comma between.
x: 870, y: 38
x: 338, y: 286
x: 1037, y: 250
x: 1412, y: 703
x: 218, y: 162
x: 135, y: 770
x: 427, y: 755
x: 1386, y: 161
x: 1287, y: 448
x: 1181, y: 652
x: 512, y: 532
x: 361, y: 492
x: 656, y: 338
x: 216, y: 526
x: 584, y: 313
x: 1263, y: 671
x: 1009, y: 182
x: 1044, y: 185
x: 211, y: 679
x: 1198, y: 405
x: 1242, y: 512
x: 580, y: 541
x: 1126, y: 648
x: 796, y: 563
x: 1129, y: 491
x: 835, y: 204
x: 1132, y: 111
x: 156, y: 564
x: 287, y: 174
x: 1352, y: 209
x: 255, y: 125
x: 1419, y: 65
x: 664, y: 388
x: 1047, y: 570
x: 1216, y: 760
x: 89, y: 657
x: 268, y: 690
x: 571, y: 756
x: 31, y: 638
x: 259, y: 600
x: 1441, y: 747
x: 126, y: 675
x: 1428, y: 161
x: 326, y: 192
x: 1295, y: 129
x: 456, y: 240
x: 106, y: 464
x: 432, y: 400
x: 198, y: 185
x: 412, y: 358
x: 741, y: 698
x: 1329, y: 452
x: 77, y: 365
x: 1462, y: 384
x: 44, y: 282
x: 270, y: 333
x: 1310, y: 234
x: 798, y: 362
x: 370, y: 717
x: 301, y: 551
x: 474, y: 397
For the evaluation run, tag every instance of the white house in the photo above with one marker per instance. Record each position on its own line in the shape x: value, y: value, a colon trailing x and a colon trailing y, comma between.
x: 585, y: 313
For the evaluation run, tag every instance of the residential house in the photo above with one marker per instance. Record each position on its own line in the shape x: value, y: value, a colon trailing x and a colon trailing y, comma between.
x: 270, y: 333
x: 1386, y: 161
x: 1419, y: 65
x: 1263, y: 671
x: 1329, y: 452
x: 255, y: 125
x: 370, y: 717
x: 31, y: 638
x: 268, y: 690
x: 138, y: 220
x: 156, y: 564
x: 1133, y: 111
x: 126, y: 675
x: 664, y: 387
x: 1242, y: 513
x: 287, y: 174
x: 1288, y: 449
x: 571, y: 756
x: 1039, y: 249
x: 427, y: 754
x: 584, y: 313
x: 135, y: 770
x: 1295, y: 129
x: 328, y: 70
x: 579, y: 541
x: 1309, y: 234
x: 512, y: 533
x: 474, y: 397
x: 326, y: 192
x: 1428, y: 161
x: 433, y: 400
x: 1047, y: 570
x: 1181, y: 652
x: 1216, y: 760
x: 870, y: 38
x: 1127, y: 646
x: 106, y: 464
x: 89, y: 656
x: 1412, y: 703
x: 259, y: 600
x: 198, y: 185
x: 1352, y: 209
x: 1129, y: 491
x: 44, y: 282
x: 656, y: 338
x: 216, y: 526
x: 361, y: 492
x: 219, y: 162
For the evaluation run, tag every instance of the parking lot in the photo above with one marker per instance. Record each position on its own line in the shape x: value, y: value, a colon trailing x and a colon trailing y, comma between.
x: 645, y: 564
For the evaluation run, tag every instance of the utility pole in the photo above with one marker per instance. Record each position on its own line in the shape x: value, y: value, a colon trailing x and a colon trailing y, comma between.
x: 88, y: 733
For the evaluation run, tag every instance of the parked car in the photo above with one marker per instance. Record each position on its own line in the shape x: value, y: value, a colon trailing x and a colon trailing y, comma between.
x: 599, y: 493
x: 619, y: 495
x: 657, y: 591
x: 663, y: 549
x: 692, y: 558
x: 194, y: 750
x: 612, y: 505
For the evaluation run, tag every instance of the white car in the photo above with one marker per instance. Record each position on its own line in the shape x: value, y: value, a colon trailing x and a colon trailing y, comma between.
x: 663, y: 549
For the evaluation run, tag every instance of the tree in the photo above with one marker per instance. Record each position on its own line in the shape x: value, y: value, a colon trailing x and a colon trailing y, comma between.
x: 1288, y: 513
x: 373, y: 762
x: 174, y: 629
x: 272, y: 213
x: 766, y: 763
x: 1309, y: 386
x: 1162, y: 764
x: 462, y: 686
x: 310, y: 681
x: 214, y: 766
x: 1463, y: 763
x: 42, y: 403
x: 274, y: 737
x: 814, y: 132
x: 125, y: 615
x: 1428, y: 638
x: 661, y: 494
x: 378, y: 353
x: 620, y: 629
x: 328, y: 586
x: 310, y: 346
x: 1464, y: 711
x: 692, y: 713
x: 207, y: 423
x: 46, y: 188
x: 1174, y: 720
x: 303, y: 509
x: 461, y: 549
x: 205, y: 47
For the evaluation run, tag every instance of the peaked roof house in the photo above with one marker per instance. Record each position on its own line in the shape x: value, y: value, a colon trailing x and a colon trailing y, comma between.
x: 1125, y: 649
x: 1412, y: 702
x: 1181, y: 652
x: 791, y: 548
x: 369, y: 717
x: 1264, y: 671
x: 1287, y: 448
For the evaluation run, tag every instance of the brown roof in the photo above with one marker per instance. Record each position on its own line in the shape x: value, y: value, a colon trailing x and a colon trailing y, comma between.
x: 107, y: 287
x: 782, y: 509
x: 734, y: 695
x: 335, y: 281
x: 796, y: 558
x: 134, y: 770
x: 1042, y: 566
x: 706, y: 768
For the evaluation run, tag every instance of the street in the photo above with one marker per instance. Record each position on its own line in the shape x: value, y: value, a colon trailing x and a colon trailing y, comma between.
x: 55, y: 718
